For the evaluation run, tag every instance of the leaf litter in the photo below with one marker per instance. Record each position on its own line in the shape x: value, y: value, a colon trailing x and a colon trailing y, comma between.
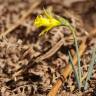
x: 29, y: 64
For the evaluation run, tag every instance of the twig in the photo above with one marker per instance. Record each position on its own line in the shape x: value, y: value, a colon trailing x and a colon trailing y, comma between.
x: 44, y: 56
x: 51, y: 51
x: 19, y: 22
x: 66, y: 72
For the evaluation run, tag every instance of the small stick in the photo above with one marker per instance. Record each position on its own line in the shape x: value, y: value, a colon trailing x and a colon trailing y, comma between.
x: 44, y: 56
x: 51, y: 51
x: 68, y: 69
x: 66, y: 72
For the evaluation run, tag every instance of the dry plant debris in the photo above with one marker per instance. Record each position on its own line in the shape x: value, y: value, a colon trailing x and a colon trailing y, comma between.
x: 30, y: 65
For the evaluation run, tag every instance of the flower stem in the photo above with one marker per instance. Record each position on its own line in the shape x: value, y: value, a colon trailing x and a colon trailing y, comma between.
x: 77, y: 52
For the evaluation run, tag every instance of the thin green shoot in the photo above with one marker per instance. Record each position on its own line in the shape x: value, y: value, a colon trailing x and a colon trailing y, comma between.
x: 67, y: 24
x: 90, y: 68
x: 75, y: 72
x: 77, y: 53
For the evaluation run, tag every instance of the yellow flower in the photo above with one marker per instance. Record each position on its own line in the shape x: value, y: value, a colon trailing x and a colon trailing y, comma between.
x: 47, y: 21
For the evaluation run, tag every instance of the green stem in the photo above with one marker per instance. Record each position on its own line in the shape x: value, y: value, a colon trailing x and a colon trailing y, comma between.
x: 65, y: 23
x: 75, y: 72
x: 77, y: 52
x: 90, y: 68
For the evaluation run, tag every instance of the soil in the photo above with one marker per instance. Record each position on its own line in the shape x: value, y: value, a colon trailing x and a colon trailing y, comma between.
x: 30, y: 65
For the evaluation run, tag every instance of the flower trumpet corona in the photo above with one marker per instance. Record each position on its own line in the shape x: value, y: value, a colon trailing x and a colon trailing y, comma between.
x: 47, y: 21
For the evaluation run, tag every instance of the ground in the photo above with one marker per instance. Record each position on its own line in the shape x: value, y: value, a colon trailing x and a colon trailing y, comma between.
x: 31, y: 65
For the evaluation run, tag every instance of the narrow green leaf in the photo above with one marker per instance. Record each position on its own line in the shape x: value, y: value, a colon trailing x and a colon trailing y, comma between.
x: 77, y: 53
x: 67, y: 24
x: 75, y: 72
x: 90, y: 69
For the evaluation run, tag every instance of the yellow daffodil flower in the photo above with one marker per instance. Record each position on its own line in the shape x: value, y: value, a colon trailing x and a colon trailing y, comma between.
x: 47, y: 21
